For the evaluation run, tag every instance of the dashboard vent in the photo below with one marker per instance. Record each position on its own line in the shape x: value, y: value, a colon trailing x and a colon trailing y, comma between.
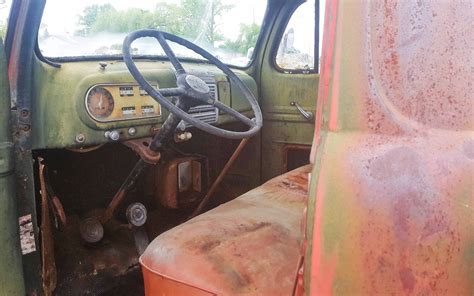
x: 205, y: 113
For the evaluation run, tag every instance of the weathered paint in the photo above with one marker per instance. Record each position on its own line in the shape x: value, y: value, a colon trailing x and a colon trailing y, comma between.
x: 11, y: 272
x: 248, y: 246
x: 391, y: 199
x: 56, y: 125
x: 283, y: 125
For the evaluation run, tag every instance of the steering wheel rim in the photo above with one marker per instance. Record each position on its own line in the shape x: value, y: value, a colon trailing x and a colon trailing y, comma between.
x: 191, y: 88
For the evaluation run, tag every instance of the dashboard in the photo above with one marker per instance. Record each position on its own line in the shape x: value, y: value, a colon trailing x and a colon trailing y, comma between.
x: 84, y: 103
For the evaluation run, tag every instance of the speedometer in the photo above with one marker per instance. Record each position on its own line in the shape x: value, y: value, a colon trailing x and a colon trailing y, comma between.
x: 100, y: 102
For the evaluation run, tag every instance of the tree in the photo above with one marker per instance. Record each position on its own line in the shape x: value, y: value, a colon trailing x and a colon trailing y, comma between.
x: 3, y: 30
x: 90, y: 16
x: 216, y: 10
x: 194, y: 19
x: 197, y: 20
x: 247, y: 38
x: 168, y: 18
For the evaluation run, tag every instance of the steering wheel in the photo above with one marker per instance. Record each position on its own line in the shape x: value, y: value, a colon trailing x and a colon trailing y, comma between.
x: 191, y: 90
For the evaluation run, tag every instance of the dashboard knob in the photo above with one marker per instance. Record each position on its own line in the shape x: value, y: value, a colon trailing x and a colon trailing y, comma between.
x: 112, y: 135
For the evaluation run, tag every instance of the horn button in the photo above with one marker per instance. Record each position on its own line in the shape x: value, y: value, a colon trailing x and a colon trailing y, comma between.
x: 197, y: 84
x: 196, y: 88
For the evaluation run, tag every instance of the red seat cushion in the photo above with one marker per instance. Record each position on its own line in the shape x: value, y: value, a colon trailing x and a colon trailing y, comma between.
x: 250, y: 245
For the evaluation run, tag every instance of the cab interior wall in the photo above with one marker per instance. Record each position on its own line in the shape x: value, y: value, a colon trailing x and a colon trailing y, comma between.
x: 86, y: 182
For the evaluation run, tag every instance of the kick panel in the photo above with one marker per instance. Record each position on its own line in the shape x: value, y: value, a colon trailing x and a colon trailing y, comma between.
x: 116, y: 102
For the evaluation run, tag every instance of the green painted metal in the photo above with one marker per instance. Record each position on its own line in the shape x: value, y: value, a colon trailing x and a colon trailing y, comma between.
x: 11, y: 272
x: 283, y: 124
x: 59, y: 114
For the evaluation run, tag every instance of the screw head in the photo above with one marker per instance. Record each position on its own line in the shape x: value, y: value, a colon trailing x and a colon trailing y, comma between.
x: 80, y: 138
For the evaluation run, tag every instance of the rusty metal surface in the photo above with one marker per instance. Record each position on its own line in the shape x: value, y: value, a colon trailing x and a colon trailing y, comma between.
x: 141, y: 147
x: 94, y: 269
x: 48, y: 270
x: 391, y: 200
x: 164, y: 179
x: 249, y: 246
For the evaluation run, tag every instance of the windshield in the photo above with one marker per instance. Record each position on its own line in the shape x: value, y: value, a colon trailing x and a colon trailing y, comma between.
x: 226, y: 28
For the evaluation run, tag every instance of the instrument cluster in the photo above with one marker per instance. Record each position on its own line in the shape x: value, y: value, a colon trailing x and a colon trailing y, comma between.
x: 116, y: 102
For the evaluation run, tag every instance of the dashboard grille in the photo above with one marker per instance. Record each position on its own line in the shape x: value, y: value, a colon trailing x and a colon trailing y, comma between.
x: 205, y: 113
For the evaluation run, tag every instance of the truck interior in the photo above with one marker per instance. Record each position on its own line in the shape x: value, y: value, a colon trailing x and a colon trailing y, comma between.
x: 133, y: 118
x: 206, y: 147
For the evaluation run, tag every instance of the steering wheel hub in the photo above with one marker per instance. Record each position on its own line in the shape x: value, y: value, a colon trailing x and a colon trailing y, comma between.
x: 197, y: 84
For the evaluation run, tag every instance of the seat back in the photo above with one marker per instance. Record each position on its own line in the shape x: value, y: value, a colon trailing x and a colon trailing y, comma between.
x: 391, y: 199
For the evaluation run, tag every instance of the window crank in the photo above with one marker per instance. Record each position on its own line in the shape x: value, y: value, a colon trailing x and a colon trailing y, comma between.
x: 306, y: 114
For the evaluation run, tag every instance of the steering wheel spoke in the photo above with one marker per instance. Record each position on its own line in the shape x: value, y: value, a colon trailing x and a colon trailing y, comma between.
x: 172, y: 92
x: 247, y: 121
x: 170, y: 54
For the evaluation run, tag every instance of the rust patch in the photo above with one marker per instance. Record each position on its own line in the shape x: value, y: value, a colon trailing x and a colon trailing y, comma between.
x: 418, y: 67
x: 298, y: 182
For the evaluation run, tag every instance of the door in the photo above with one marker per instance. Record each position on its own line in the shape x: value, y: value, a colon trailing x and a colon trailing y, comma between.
x: 289, y: 79
x: 11, y: 272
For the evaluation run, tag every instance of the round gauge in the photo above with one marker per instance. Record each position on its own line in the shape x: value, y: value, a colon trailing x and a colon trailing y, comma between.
x: 100, y: 102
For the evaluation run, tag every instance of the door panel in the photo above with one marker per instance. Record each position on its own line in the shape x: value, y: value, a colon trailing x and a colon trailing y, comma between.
x: 284, y: 126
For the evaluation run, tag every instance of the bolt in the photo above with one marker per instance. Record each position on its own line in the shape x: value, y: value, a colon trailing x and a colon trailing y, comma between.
x: 80, y: 138
x: 25, y: 127
x: 24, y: 113
x: 132, y: 131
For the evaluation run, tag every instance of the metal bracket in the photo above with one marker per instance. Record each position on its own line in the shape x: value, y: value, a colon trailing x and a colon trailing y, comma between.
x: 141, y: 147
x: 306, y: 114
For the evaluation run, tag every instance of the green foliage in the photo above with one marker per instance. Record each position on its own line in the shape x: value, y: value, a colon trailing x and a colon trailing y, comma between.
x: 123, y: 21
x: 247, y: 38
x: 3, y: 31
x: 193, y: 19
x: 90, y: 16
